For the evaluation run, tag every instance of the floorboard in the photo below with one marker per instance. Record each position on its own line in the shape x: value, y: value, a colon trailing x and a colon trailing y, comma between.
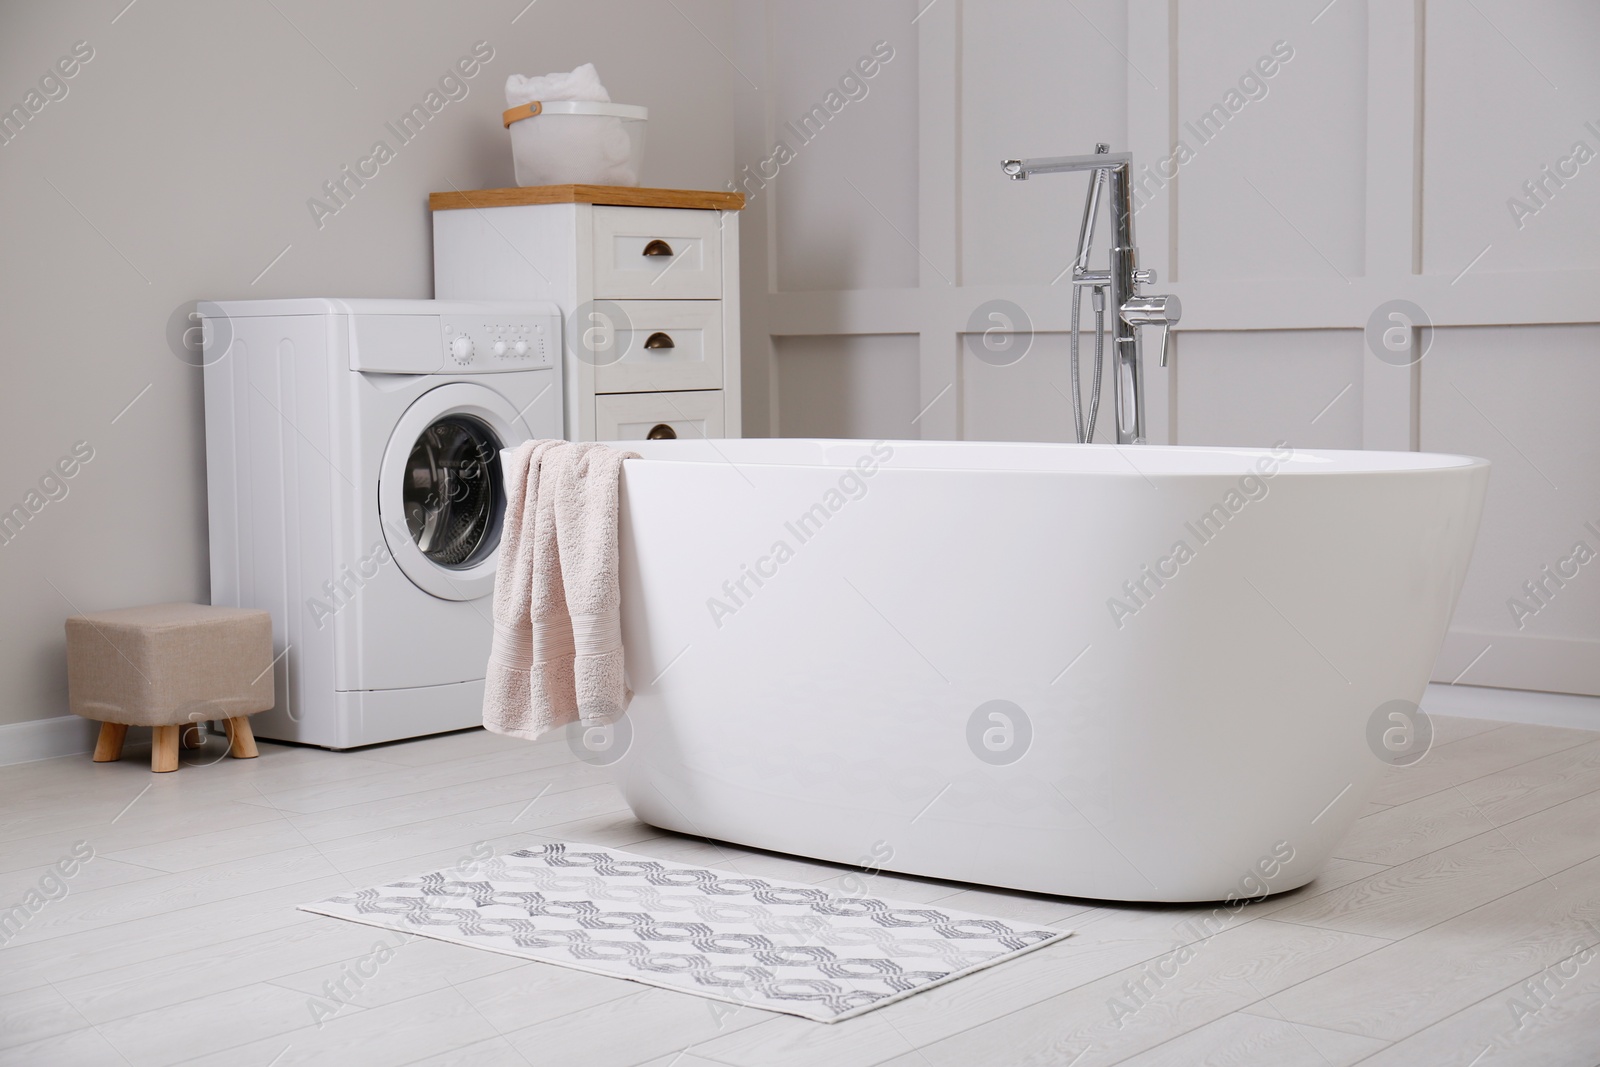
x: 1471, y: 873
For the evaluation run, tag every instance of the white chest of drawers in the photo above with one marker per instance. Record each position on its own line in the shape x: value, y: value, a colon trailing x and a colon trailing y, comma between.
x: 654, y: 273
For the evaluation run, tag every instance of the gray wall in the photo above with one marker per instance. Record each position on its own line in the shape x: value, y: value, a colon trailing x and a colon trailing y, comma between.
x: 177, y: 166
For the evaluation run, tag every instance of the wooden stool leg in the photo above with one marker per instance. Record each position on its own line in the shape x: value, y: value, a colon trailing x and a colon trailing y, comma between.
x: 108, y: 749
x: 241, y: 741
x: 192, y: 737
x: 164, y: 753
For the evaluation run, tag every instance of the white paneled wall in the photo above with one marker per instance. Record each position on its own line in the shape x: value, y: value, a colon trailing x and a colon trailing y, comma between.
x: 1245, y: 209
x: 1523, y: 397
x: 1029, y: 400
x: 1310, y: 161
x: 860, y: 385
x: 1263, y: 386
x: 1511, y: 88
x: 1035, y: 80
x: 854, y: 192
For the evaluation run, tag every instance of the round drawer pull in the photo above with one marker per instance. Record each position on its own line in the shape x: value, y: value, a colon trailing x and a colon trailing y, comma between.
x: 661, y: 432
x: 659, y: 340
x: 658, y: 247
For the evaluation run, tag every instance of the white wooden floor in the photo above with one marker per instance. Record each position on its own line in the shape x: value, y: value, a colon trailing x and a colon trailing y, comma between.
x: 1476, y: 871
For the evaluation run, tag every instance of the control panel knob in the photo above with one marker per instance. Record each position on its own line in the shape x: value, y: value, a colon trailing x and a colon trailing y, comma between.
x: 520, y: 347
x: 499, y: 348
x: 461, y: 348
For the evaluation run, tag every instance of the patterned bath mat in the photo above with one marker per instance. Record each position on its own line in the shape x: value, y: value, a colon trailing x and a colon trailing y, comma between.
x: 779, y: 945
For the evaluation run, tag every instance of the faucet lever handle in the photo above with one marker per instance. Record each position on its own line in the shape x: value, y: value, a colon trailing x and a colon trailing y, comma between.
x: 1160, y: 311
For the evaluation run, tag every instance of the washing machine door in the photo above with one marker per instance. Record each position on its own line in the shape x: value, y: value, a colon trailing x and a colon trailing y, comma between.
x: 441, y: 499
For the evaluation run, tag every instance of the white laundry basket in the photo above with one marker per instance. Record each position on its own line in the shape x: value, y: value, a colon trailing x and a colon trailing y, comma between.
x: 577, y: 142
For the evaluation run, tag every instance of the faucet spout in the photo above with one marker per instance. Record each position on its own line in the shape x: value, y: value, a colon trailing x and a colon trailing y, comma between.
x: 1020, y: 169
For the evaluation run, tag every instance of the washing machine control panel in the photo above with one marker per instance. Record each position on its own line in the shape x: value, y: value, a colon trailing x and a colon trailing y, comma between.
x: 500, y: 342
x: 464, y: 337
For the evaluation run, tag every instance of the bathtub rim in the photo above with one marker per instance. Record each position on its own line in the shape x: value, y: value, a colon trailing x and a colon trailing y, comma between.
x: 1371, y: 462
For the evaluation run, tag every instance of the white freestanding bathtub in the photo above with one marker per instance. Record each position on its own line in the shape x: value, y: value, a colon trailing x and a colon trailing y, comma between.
x: 1125, y: 673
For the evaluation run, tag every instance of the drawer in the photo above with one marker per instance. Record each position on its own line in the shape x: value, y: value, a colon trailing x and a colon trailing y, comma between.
x: 634, y: 416
x: 643, y: 253
x: 664, y: 344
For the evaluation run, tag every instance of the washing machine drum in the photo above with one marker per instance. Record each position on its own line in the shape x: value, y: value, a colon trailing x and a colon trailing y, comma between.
x: 441, y: 497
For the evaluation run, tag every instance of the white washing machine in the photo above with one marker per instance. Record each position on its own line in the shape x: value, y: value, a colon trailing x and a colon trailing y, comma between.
x: 355, y: 493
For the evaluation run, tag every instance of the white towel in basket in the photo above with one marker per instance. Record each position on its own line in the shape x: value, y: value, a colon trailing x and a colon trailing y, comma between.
x: 568, y: 149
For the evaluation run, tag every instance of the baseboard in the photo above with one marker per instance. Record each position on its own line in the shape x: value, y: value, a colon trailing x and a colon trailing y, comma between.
x: 64, y: 735
x: 1520, y: 661
x: 1513, y: 705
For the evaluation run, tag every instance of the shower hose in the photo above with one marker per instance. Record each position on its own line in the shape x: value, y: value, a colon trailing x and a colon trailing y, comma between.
x: 1098, y: 298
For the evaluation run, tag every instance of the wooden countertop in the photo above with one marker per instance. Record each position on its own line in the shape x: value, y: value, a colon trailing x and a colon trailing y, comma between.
x: 616, y: 195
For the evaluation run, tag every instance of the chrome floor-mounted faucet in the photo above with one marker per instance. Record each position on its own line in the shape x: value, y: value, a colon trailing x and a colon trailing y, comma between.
x: 1122, y: 279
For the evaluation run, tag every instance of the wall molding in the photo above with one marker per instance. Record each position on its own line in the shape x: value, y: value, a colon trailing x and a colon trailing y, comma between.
x: 63, y: 735
x: 1223, y: 305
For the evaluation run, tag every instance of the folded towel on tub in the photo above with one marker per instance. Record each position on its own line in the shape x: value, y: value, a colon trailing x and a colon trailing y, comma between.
x: 556, y: 656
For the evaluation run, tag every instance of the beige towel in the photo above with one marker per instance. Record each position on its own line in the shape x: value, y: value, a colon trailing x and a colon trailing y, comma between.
x: 587, y: 477
x: 528, y: 687
x: 556, y: 656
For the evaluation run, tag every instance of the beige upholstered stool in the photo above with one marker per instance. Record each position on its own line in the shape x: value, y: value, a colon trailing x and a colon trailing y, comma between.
x: 170, y: 666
